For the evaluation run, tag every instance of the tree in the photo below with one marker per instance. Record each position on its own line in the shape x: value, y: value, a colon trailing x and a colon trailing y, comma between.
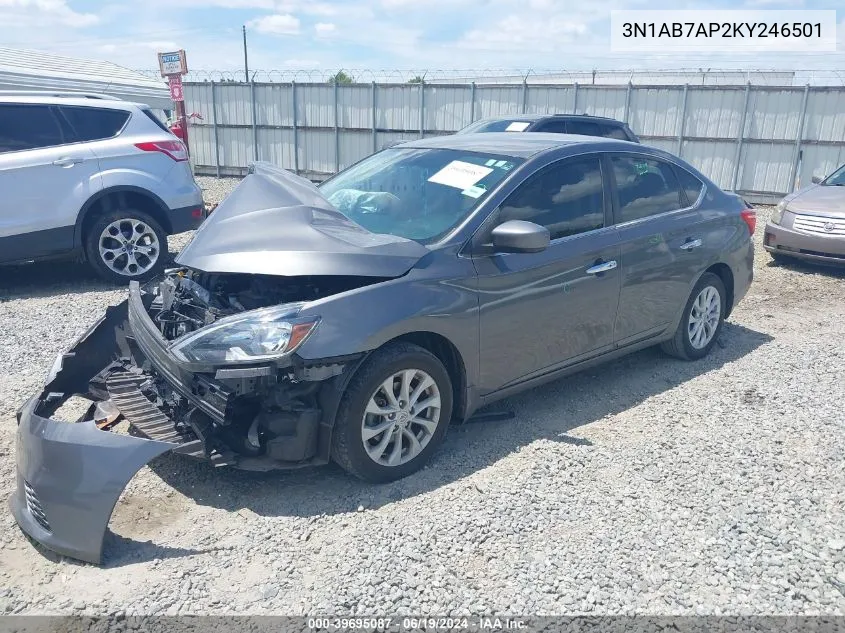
x: 416, y: 80
x: 340, y: 77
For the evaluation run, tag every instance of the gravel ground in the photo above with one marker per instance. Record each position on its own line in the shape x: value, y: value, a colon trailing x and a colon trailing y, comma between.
x: 649, y: 485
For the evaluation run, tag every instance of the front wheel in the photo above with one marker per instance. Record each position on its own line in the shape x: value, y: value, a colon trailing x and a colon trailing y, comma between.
x: 394, y: 414
x: 126, y: 245
x: 701, y: 321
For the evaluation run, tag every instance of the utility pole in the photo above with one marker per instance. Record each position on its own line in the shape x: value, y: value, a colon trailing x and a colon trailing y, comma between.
x: 246, y: 63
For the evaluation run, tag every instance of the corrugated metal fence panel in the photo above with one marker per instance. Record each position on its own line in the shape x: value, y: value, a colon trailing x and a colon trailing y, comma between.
x: 820, y: 160
x: 713, y: 113
x: 550, y: 99
x: 447, y: 108
x: 604, y: 101
x: 655, y: 111
x: 825, y: 115
x: 276, y: 147
x: 774, y: 114
x: 710, y: 129
x: 713, y: 159
x: 355, y: 106
x: 234, y: 104
x: 497, y: 100
x: 765, y: 167
x: 315, y: 105
x: 398, y: 107
x: 273, y: 104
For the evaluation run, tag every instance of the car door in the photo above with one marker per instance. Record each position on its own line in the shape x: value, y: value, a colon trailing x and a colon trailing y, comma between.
x: 660, y: 233
x: 45, y: 178
x: 540, y: 311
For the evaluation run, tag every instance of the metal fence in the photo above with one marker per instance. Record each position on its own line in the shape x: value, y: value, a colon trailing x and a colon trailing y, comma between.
x: 758, y: 140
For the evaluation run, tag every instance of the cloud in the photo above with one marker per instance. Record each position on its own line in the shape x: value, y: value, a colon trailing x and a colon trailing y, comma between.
x: 22, y: 13
x: 519, y: 31
x: 311, y: 8
x: 276, y: 24
x: 325, y: 28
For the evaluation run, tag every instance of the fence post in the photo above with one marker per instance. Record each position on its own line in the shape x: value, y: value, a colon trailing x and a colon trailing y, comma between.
x: 683, y: 121
x: 336, y: 134
x: 214, y: 121
x: 375, y: 135
x: 739, y: 138
x: 422, y: 108
x: 627, y: 102
x: 793, y: 174
x: 295, y: 129
x: 524, y: 94
x: 575, y: 100
x: 254, y: 122
x: 472, y: 102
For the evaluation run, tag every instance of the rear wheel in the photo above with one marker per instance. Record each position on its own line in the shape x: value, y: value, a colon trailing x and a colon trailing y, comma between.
x: 126, y: 245
x: 701, y: 321
x: 394, y: 414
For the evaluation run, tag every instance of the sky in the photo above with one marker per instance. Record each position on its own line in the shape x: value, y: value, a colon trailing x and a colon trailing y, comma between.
x: 376, y: 34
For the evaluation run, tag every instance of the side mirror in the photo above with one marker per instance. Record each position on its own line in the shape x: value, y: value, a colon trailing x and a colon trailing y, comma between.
x: 519, y: 236
x: 816, y: 179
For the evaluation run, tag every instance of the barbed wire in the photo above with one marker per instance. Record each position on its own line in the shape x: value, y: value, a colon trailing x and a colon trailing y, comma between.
x: 703, y: 76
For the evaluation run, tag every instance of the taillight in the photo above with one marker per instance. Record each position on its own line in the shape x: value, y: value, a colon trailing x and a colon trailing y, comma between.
x: 174, y: 149
x: 749, y: 216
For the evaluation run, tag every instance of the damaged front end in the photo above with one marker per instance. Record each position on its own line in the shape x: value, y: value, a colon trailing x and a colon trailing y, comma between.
x: 198, y: 364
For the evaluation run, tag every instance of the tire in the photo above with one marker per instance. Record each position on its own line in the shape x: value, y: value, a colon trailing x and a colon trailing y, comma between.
x: 151, y: 240
x: 682, y: 344
x: 348, y: 442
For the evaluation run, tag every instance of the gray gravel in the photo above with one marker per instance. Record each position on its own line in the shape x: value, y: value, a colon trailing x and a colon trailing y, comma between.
x: 649, y: 485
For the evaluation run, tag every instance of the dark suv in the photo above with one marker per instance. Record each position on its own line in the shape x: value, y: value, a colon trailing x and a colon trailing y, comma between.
x: 582, y: 124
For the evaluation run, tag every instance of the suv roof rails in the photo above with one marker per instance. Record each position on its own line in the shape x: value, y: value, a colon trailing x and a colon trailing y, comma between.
x: 67, y: 94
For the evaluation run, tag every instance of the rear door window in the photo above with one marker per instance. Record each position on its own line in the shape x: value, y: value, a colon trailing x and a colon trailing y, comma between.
x: 94, y: 124
x: 644, y: 187
x: 586, y: 128
x: 25, y: 126
x: 554, y: 127
x: 691, y: 185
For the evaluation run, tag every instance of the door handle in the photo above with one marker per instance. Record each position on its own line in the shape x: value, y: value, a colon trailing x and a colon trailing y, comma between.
x: 690, y: 244
x: 66, y: 161
x: 602, y: 268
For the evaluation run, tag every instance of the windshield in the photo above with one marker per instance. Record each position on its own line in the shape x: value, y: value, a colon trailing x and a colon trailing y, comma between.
x: 836, y: 178
x: 419, y: 194
x: 500, y: 125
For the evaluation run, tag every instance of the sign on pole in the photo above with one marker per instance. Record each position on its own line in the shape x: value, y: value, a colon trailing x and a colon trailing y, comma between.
x: 175, y: 63
x: 176, y: 93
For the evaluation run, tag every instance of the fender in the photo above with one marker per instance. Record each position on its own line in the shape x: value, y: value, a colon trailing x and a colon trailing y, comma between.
x: 92, y: 201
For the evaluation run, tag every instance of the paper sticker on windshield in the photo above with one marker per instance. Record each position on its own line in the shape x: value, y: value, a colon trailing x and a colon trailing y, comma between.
x: 501, y: 163
x: 641, y: 167
x: 460, y: 175
x: 517, y: 126
x: 491, y: 162
x: 474, y: 192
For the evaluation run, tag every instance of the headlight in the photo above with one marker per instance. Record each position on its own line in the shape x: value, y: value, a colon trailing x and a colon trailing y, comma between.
x: 778, y: 212
x: 249, y: 337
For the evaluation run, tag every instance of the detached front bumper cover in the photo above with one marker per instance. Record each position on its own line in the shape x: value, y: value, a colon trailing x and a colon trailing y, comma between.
x: 70, y: 475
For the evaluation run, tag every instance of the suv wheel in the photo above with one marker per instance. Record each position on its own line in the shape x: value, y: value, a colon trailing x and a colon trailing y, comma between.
x: 393, y: 415
x: 702, y: 320
x: 126, y: 245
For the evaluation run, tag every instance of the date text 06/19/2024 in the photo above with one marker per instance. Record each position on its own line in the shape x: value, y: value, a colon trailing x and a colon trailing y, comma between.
x: 384, y: 624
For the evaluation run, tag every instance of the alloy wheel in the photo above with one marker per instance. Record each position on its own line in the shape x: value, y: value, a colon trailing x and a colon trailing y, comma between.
x: 129, y: 247
x: 704, y: 317
x: 401, y: 417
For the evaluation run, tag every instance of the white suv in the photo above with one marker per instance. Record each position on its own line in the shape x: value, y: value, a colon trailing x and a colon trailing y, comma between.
x: 94, y: 176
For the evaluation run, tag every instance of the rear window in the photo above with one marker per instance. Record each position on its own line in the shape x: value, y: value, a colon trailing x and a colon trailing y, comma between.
x: 28, y: 127
x: 614, y: 131
x: 94, y: 124
x: 152, y: 117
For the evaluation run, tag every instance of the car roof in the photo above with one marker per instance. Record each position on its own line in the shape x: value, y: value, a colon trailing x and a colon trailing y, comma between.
x: 29, y: 98
x: 537, y: 117
x: 510, y: 144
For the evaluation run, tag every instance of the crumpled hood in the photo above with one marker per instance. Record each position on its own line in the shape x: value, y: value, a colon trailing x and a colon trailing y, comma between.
x: 276, y: 223
x: 826, y: 200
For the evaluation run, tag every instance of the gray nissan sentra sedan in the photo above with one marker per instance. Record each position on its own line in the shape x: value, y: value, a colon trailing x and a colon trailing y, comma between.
x: 810, y: 223
x: 353, y: 322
